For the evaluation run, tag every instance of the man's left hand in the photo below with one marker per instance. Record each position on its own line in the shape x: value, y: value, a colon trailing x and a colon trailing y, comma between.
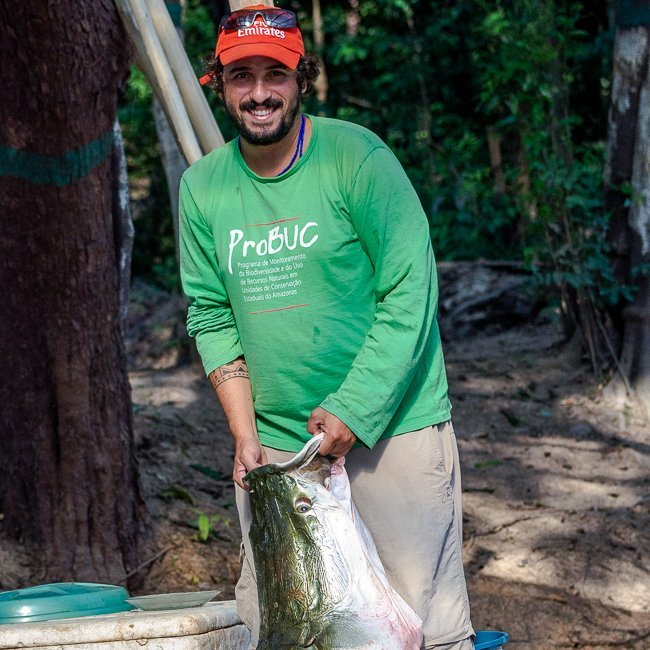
x: 338, y: 438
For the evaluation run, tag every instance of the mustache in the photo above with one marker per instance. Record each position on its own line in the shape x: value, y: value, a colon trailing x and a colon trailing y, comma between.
x: 251, y: 105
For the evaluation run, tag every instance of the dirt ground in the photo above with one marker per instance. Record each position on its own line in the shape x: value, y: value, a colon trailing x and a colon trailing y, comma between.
x: 556, y: 479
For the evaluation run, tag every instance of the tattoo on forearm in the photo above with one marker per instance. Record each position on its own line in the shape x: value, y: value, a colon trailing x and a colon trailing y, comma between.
x: 236, y: 368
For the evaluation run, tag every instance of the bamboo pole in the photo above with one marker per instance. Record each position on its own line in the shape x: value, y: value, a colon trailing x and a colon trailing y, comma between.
x: 152, y: 61
x: 203, y: 121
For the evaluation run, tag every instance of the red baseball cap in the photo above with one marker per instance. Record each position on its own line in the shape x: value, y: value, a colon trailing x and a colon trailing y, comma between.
x: 266, y: 35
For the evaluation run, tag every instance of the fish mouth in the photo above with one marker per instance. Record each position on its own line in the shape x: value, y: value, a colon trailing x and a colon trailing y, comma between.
x: 318, y: 470
x: 304, y: 456
x: 306, y: 464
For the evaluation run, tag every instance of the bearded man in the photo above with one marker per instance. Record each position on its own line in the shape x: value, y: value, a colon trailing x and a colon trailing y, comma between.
x: 307, y: 261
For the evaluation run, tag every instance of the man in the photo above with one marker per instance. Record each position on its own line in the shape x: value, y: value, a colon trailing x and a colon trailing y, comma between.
x: 307, y: 261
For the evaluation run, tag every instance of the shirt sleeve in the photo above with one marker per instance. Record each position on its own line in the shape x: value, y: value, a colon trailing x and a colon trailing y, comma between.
x: 394, y: 232
x: 209, y: 316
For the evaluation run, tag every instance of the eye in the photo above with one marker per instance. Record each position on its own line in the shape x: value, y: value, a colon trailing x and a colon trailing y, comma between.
x: 302, y: 505
x: 238, y: 77
x: 278, y: 76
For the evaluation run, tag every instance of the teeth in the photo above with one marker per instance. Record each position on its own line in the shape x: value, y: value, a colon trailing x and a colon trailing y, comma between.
x: 262, y: 113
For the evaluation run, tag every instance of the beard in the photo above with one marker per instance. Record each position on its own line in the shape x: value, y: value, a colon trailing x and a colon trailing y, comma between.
x: 265, y: 134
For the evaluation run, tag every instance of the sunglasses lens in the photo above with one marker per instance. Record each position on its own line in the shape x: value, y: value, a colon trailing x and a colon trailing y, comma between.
x: 273, y: 17
x: 285, y: 19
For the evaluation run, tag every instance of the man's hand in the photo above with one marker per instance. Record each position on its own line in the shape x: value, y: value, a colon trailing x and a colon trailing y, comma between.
x: 338, y: 438
x: 248, y: 455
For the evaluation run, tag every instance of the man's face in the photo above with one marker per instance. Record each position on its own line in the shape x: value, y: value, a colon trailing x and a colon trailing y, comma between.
x: 262, y: 97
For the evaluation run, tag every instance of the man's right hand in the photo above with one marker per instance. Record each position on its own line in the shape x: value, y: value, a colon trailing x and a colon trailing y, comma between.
x: 248, y: 455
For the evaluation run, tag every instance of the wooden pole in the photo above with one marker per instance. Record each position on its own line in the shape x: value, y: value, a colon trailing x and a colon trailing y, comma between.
x: 152, y: 60
x: 203, y: 121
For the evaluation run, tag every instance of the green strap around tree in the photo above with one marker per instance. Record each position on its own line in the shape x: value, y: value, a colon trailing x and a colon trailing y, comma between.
x: 633, y: 13
x: 67, y: 168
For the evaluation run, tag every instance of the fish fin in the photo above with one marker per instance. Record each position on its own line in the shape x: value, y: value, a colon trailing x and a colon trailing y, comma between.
x: 343, y: 632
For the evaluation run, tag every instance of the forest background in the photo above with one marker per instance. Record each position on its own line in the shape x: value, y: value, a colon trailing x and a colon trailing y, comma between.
x: 497, y: 110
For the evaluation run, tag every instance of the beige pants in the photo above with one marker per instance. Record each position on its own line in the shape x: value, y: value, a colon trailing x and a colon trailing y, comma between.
x: 407, y: 491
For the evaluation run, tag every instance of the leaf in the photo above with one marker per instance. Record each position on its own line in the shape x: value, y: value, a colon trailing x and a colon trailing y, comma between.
x: 203, y: 523
x: 212, y: 473
x: 494, y: 462
x: 177, y: 491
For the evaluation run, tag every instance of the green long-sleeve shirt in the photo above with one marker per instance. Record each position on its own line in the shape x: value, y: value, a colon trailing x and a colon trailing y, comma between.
x: 324, y: 279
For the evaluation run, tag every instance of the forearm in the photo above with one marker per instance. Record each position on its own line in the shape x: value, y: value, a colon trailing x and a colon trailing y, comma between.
x: 233, y: 387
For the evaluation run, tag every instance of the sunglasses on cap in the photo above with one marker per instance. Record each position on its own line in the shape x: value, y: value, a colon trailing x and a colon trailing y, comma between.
x: 272, y: 16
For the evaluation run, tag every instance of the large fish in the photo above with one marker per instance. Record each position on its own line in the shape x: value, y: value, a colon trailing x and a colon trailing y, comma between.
x: 320, y: 582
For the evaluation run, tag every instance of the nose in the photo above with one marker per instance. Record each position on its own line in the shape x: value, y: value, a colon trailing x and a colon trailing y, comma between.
x: 259, y: 91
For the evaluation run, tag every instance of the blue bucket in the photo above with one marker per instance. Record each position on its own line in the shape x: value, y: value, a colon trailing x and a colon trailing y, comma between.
x: 494, y: 640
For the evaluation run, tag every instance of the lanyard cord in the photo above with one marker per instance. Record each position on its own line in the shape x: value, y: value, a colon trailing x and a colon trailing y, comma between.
x: 298, y: 152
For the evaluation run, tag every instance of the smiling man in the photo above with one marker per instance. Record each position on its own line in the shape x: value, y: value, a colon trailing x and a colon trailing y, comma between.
x: 306, y: 258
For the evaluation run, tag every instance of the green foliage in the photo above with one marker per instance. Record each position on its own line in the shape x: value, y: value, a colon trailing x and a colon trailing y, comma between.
x: 210, y: 472
x: 206, y: 525
x: 572, y: 227
x: 526, y: 84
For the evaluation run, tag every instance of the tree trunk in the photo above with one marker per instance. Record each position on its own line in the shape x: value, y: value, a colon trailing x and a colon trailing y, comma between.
x: 496, y: 160
x: 123, y: 229
x: 173, y: 163
x: 353, y: 18
x: 321, y: 85
x: 68, y: 474
x: 628, y: 164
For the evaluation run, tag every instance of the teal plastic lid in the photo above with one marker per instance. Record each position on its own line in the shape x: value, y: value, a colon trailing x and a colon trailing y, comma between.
x: 62, y: 600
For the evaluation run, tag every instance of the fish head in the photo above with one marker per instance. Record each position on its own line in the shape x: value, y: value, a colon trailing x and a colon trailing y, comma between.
x: 283, y: 495
x: 291, y: 485
x: 288, y: 540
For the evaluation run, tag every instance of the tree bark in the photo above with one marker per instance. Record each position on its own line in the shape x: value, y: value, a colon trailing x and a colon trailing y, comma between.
x: 628, y: 165
x: 68, y: 473
x: 123, y: 229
